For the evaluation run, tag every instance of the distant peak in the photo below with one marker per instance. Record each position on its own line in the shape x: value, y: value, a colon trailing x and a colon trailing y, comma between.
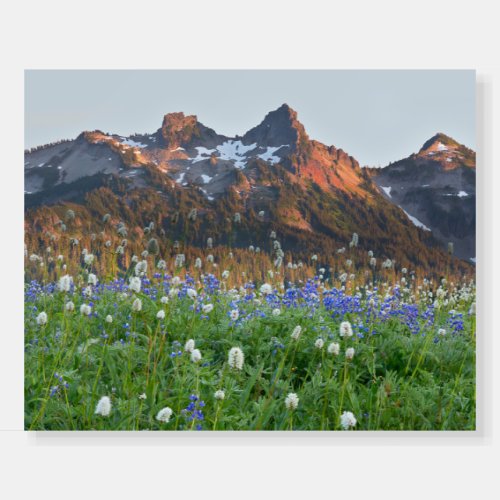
x: 285, y: 108
x: 445, y: 150
x: 279, y: 126
x: 177, y: 129
x: 439, y: 138
x: 178, y: 120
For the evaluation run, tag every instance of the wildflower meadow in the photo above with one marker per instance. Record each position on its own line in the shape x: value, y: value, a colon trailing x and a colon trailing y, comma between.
x: 176, y: 345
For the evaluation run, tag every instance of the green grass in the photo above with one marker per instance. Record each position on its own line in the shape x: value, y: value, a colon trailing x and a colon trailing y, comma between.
x: 397, y: 380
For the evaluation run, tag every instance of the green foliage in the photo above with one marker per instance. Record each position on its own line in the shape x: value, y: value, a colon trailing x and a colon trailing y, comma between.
x: 396, y: 380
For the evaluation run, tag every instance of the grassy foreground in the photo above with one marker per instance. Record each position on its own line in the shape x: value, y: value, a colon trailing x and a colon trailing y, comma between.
x: 165, y: 353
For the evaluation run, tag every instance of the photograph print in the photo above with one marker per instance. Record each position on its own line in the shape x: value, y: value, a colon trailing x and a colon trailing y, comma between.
x: 258, y: 250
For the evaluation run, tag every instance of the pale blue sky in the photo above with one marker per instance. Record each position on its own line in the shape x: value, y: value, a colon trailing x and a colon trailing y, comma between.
x: 375, y: 116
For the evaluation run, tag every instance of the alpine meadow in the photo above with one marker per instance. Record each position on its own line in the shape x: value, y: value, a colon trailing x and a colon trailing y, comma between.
x: 185, y: 280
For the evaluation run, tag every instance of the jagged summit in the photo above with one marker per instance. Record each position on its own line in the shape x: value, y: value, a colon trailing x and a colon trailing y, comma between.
x: 180, y: 130
x: 279, y: 127
x: 313, y: 195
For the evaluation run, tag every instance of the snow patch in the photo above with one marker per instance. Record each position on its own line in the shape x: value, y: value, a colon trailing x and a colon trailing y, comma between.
x: 387, y: 190
x: 181, y: 178
x: 235, y: 151
x: 449, y: 160
x: 441, y: 147
x: 177, y: 149
x: 131, y: 143
x: 203, y: 154
x: 460, y: 194
x: 473, y: 259
x: 269, y: 154
x: 425, y: 185
x: 206, y: 178
x: 204, y: 191
x: 415, y: 221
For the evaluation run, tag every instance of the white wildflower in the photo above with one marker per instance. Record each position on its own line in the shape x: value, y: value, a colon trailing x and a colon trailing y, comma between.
x: 85, y: 309
x: 88, y: 259
x: 41, y: 319
x: 141, y: 268
x: 65, y: 283
x: 220, y: 395
x: 135, y: 284
x: 349, y: 353
x: 292, y: 401
x: 195, y: 356
x: 189, y: 347
x: 103, y: 407
x: 160, y: 314
x: 334, y: 349
x: 164, y: 415
x: 137, y: 305
x: 109, y: 318
x: 236, y: 358
x: 345, y: 329
x: 207, y: 308
x: 319, y: 343
x: 347, y: 420
x: 296, y: 332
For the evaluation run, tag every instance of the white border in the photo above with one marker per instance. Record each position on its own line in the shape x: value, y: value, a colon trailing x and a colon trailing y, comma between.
x: 261, y: 34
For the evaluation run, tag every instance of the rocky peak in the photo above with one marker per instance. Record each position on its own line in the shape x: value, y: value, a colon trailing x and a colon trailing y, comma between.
x: 448, y: 152
x: 279, y: 127
x: 439, y: 142
x: 178, y: 129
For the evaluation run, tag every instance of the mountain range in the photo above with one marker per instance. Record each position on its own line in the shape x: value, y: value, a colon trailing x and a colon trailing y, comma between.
x: 273, y: 178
